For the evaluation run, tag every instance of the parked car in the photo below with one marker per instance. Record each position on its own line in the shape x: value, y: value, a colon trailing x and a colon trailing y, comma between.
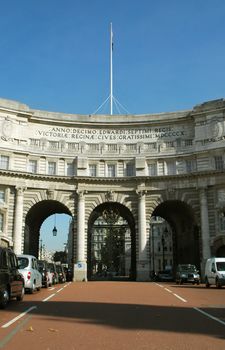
x: 29, y: 269
x: 164, y: 276
x: 61, y: 273
x: 11, y: 281
x: 187, y: 273
x: 69, y: 273
x: 45, y: 273
x: 53, y: 270
x: 215, y: 272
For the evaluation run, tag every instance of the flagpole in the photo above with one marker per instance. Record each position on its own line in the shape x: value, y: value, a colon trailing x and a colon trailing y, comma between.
x: 111, y: 70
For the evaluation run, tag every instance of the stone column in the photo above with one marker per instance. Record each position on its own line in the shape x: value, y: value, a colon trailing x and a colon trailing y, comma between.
x: 80, y: 270
x: 142, y: 263
x: 18, y: 222
x: 204, y: 227
x: 80, y: 226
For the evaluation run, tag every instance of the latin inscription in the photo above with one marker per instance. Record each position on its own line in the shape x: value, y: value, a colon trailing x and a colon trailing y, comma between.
x: 102, y: 135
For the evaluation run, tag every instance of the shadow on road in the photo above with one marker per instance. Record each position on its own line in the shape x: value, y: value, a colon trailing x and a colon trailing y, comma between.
x: 128, y: 316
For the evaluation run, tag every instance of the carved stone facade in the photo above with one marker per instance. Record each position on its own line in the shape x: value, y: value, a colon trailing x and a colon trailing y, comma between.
x: 169, y: 165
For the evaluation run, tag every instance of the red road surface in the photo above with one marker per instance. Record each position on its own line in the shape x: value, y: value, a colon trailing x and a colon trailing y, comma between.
x: 118, y: 316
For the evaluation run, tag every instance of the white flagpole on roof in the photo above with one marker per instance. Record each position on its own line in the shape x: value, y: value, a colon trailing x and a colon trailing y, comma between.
x: 111, y: 70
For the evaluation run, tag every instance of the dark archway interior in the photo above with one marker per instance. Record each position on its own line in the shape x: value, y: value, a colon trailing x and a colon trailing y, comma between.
x: 34, y: 219
x: 125, y: 213
x: 186, y: 242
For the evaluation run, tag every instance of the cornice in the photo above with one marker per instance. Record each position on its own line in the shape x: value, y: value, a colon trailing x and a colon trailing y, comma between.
x: 109, y: 180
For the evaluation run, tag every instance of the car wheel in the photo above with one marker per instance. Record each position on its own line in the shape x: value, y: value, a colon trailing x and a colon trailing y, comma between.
x: 20, y: 296
x: 218, y: 285
x: 4, y: 298
x: 32, y: 289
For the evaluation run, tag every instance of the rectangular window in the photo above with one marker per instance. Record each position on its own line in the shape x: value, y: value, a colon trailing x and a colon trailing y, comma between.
x: 188, y: 143
x: 52, y: 168
x: 70, y: 169
x: 92, y: 170
x: 218, y: 162
x: 1, y: 221
x: 130, y: 169
x: 191, y: 165
x: 2, y: 196
x: 171, y: 168
x: 32, y: 166
x: 169, y: 144
x: 222, y: 223
x: 4, y: 162
x: 152, y: 169
x: 111, y: 170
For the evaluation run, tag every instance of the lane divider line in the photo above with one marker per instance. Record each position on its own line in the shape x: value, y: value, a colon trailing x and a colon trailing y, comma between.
x: 49, y: 297
x: 18, y: 317
x: 14, y: 331
x: 182, y: 299
x: 210, y: 316
x: 59, y: 290
x: 169, y: 291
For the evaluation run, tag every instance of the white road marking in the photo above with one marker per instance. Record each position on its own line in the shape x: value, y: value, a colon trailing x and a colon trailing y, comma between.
x: 18, y: 317
x: 182, y: 299
x: 49, y: 297
x: 59, y: 290
x: 210, y: 316
x: 169, y: 291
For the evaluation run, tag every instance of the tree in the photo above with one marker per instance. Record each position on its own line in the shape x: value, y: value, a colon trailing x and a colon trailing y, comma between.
x: 113, y: 248
x: 60, y: 256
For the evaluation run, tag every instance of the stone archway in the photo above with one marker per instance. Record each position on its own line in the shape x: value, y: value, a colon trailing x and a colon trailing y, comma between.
x: 218, y: 248
x: 34, y: 219
x: 114, y: 211
x: 185, y: 231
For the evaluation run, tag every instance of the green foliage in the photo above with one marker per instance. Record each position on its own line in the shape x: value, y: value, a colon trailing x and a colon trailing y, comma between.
x: 113, y: 248
x: 60, y: 256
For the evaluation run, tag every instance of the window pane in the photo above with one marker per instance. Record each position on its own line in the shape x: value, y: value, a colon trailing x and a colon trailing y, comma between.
x: 218, y: 162
x: 51, y: 168
x: 4, y: 162
x: 111, y: 170
x: 2, y: 196
x: 32, y: 167
x: 130, y: 169
x: 70, y: 169
x: 92, y: 170
x: 152, y: 169
x: 1, y: 222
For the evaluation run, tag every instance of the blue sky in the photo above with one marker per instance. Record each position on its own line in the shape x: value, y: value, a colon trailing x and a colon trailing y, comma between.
x: 168, y: 55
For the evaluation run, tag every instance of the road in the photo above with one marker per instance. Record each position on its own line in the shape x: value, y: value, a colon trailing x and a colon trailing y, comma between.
x: 117, y: 316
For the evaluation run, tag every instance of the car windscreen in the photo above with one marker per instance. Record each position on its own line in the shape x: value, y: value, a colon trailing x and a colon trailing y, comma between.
x: 188, y: 268
x: 41, y: 266
x: 22, y: 262
x: 51, y: 267
x: 220, y: 265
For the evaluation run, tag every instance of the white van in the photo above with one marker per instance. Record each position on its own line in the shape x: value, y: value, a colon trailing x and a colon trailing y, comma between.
x: 215, y: 272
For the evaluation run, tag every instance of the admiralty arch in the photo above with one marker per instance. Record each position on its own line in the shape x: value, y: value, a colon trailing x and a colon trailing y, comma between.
x: 169, y: 165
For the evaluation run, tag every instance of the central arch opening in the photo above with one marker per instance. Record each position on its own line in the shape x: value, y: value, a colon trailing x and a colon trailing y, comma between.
x: 111, y: 243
